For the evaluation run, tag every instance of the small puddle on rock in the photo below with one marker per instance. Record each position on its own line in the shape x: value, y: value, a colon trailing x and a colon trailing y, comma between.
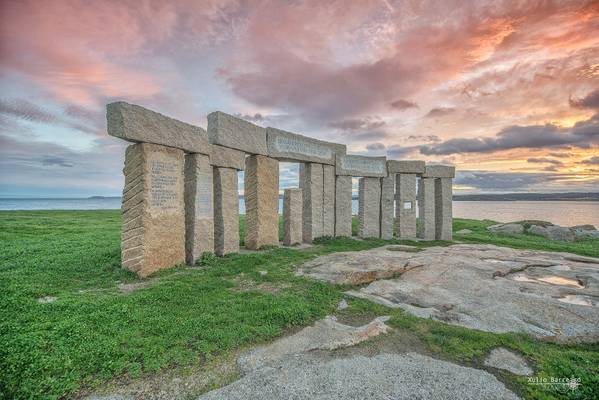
x: 579, y: 300
x: 551, y: 279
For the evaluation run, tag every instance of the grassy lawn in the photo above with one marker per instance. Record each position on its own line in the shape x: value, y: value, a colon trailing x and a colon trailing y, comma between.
x: 97, y: 330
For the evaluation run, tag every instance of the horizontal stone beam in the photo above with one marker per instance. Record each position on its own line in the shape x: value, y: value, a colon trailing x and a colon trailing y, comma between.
x: 439, y: 171
x: 369, y: 167
x: 287, y: 146
x: 405, y: 167
x: 228, y: 158
x: 229, y: 131
x: 138, y: 124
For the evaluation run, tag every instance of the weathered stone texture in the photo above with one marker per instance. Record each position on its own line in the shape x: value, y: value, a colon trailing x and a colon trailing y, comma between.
x: 225, y: 157
x: 311, y: 182
x: 287, y: 146
x: 343, y: 206
x: 369, y: 214
x: 387, y: 203
x: 153, y: 233
x: 292, y: 216
x: 261, y: 202
x: 364, y: 166
x: 443, y: 209
x: 328, y: 192
x: 199, y: 211
x: 405, y: 210
x: 439, y: 171
x: 229, y: 131
x: 226, y: 211
x: 405, y: 166
x: 138, y: 124
x: 426, y: 209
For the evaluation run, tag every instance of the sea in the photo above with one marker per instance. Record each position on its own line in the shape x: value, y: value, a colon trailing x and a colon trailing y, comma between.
x: 565, y: 213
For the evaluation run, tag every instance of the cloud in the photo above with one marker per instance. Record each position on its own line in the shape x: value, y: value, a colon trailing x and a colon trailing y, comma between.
x: 560, y: 155
x: 591, y: 161
x: 54, y: 160
x: 583, y: 134
x: 425, y: 138
x: 257, y: 117
x: 375, y: 147
x: 402, y: 105
x: 355, y: 124
x: 591, y: 100
x: 440, y: 112
x: 26, y: 111
x: 488, y: 181
x: 544, y: 160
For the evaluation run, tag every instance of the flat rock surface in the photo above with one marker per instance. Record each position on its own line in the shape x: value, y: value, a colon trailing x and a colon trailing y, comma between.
x: 385, y: 376
x: 502, y: 358
x: 485, y: 287
x: 326, y: 334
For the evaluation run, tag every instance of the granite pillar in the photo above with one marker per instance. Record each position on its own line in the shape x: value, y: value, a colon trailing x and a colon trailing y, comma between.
x: 369, y: 213
x: 261, y: 202
x: 387, y: 203
x: 199, y: 212
x: 153, y: 231
x: 343, y: 206
x: 443, y: 209
x: 292, y: 216
x: 426, y: 208
x: 311, y: 183
x: 405, y: 210
x: 328, y: 193
x: 226, y: 211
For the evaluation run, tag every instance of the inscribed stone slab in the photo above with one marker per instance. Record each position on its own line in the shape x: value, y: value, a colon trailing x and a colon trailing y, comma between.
x: 405, y: 204
x: 199, y: 211
x: 328, y: 193
x: 226, y: 211
x: 369, y: 214
x: 292, y: 216
x: 229, y: 131
x: 343, y: 206
x: 387, y: 206
x: 364, y: 166
x: 153, y: 232
x: 261, y: 202
x: 405, y: 166
x: 138, y: 124
x: 443, y: 211
x: 287, y: 146
x: 426, y: 208
x: 311, y: 183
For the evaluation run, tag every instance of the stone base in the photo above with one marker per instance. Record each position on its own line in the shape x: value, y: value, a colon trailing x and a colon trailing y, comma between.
x: 261, y: 202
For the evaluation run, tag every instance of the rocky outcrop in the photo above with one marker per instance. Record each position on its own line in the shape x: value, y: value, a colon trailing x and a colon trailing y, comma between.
x: 510, y: 229
x: 546, y: 229
x: 502, y: 358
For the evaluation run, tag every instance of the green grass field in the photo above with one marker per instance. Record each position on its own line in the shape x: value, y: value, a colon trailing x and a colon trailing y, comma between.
x: 96, y: 333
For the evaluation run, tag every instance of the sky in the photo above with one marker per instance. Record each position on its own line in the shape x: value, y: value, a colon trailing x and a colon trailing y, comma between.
x: 507, y: 91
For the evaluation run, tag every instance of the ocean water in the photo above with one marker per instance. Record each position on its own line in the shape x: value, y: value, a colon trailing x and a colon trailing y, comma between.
x: 565, y: 213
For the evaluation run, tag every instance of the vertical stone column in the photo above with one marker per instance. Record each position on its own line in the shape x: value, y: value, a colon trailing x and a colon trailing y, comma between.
x: 199, y: 212
x: 311, y: 183
x: 426, y: 208
x: 153, y: 233
x: 405, y: 210
x: 387, y: 203
x: 443, y: 209
x: 369, y: 213
x: 292, y: 216
x: 261, y: 202
x: 226, y: 211
x: 343, y: 206
x: 328, y: 192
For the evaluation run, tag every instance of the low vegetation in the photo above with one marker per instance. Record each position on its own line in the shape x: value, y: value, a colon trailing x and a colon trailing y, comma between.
x: 99, y: 323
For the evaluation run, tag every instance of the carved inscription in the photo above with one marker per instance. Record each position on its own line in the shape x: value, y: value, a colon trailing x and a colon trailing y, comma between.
x: 358, y: 164
x: 164, y: 176
x: 204, y: 195
x: 286, y: 144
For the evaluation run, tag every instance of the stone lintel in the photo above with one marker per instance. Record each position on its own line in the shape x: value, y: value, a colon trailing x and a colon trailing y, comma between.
x: 364, y: 166
x: 236, y: 133
x: 439, y: 171
x: 405, y: 166
x: 228, y: 158
x: 137, y: 124
x: 287, y: 146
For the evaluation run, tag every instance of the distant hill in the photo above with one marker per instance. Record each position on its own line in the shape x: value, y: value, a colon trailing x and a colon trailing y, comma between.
x: 589, y: 196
